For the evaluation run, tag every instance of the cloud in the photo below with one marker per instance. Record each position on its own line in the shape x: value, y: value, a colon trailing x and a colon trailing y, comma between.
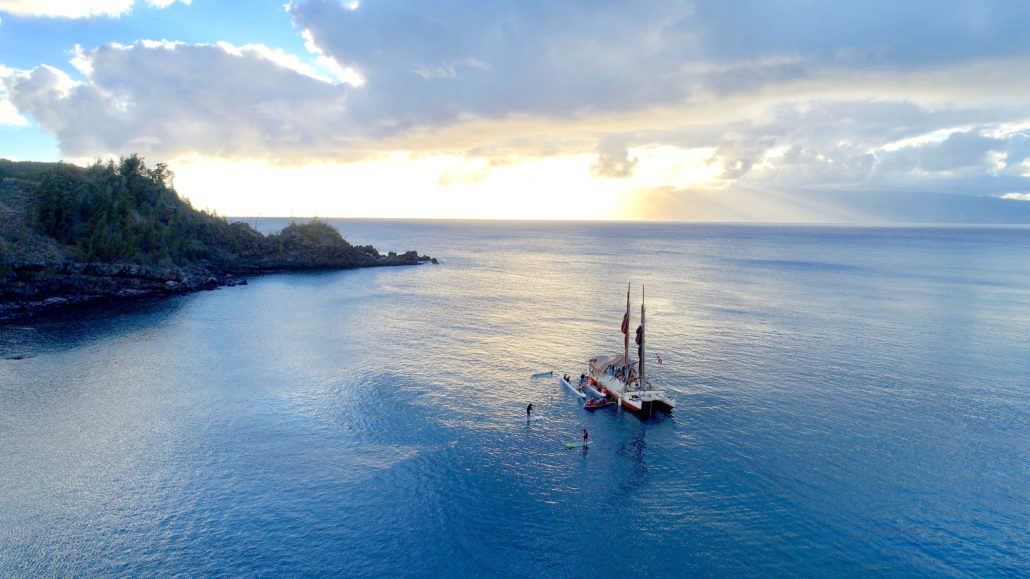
x: 444, y: 43
x: 869, y: 146
x: 152, y: 97
x: 551, y: 58
x: 76, y: 8
x: 498, y: 58
x: 449, y: 69
x: 8, y: 112
x: 959, y: 151
x: 613, y: 160
x: 343, y: 74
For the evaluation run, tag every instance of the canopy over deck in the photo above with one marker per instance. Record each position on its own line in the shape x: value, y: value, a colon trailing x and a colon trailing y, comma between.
x: 600, y: 364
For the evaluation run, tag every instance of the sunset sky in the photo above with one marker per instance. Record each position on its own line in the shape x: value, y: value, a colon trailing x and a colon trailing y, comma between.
x: 782, y: 110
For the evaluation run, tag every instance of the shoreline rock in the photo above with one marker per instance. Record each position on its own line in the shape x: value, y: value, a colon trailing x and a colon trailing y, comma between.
x: 33, y: 288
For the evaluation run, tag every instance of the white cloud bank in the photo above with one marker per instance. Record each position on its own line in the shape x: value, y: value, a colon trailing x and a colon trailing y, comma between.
x: 76, y: 8
x: 170, y: 98
x: 8, y: 112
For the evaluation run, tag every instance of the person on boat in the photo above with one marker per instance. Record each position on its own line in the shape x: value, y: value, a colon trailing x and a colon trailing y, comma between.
x: 529, y: 411
x: 582, y: 378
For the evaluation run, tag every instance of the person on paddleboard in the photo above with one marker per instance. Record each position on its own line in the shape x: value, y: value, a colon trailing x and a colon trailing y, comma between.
x: 529, y: 411
x: 586, y: 435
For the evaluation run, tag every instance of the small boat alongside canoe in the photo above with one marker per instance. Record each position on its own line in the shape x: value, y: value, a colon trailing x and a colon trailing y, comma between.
x: 599, y: 402
x: 591, y: 388
x: 588, y: 387
x: 577, y: 390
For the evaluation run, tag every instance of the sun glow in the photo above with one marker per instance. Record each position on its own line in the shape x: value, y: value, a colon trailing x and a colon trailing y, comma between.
x: 407, y: 185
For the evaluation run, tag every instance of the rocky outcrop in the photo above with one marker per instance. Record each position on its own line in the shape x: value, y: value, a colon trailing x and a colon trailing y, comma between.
x: 32, y: 287
x: 28, y: 288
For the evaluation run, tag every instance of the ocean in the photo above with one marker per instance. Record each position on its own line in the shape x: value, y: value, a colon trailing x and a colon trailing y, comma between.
x: 851, y: 401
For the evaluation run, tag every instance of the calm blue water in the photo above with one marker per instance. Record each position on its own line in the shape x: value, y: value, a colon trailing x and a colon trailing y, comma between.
x: 853, y: 401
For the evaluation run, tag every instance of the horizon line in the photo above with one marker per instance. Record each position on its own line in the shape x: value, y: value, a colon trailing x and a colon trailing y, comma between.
x: 647, y: 221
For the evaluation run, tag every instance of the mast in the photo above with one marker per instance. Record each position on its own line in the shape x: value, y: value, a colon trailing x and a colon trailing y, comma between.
x: 625, y: 340
x: 641, y: 382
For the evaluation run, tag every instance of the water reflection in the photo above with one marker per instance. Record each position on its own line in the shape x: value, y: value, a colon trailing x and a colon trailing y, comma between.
x: 75, y: 327
x: 339, y: 422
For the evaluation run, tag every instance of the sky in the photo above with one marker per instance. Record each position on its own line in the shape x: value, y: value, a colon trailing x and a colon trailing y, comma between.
x: 752, y: 110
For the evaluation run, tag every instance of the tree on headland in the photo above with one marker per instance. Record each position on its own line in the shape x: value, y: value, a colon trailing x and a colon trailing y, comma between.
x: 127, y: 211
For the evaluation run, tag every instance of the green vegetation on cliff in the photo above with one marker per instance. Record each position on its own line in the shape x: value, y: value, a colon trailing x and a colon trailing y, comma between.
x: 127, y: 212
x: 118, y: 229
x: 124, y: 211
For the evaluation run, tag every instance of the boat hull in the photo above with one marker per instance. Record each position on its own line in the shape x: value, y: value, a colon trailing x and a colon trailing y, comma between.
x: 598, y: 402
x: 636, y: 400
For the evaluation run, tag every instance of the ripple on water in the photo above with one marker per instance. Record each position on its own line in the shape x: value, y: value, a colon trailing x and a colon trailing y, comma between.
x: 850, y: 401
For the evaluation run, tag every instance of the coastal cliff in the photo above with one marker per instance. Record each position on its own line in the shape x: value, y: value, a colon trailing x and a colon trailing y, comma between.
x: 117, y: 231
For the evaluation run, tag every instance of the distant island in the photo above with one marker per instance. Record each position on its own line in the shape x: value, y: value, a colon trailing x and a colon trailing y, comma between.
x: 118, y: 230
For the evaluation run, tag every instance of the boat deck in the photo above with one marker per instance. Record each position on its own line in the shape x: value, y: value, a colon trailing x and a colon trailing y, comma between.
x: 635, y: 399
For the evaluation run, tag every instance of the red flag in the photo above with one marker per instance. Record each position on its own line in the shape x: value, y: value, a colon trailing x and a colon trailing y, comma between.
x: 625, y: 323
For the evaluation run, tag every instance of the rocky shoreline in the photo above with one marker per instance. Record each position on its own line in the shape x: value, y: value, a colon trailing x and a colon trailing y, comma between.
x: 33, y: 288
x: 114, y: 232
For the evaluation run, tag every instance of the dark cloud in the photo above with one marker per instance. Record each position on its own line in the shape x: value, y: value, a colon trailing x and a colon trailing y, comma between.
x: 533, y: 56
x: 558, y: 58
x: 958, y: 151
x: 613, y: 160
x: 870, y: 34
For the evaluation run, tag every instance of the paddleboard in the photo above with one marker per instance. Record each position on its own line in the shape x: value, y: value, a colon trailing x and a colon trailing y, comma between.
x: 577, y: 444
x: 531, y: 419
x: 542, y: 374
